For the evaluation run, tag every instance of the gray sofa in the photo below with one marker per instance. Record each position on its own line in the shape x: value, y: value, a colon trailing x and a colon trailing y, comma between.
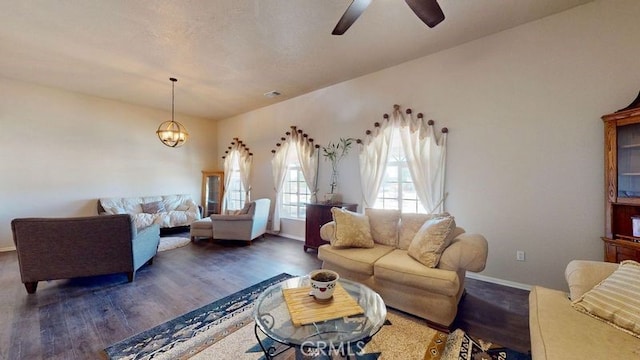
x: 246, y: 226
x: 63, y: 248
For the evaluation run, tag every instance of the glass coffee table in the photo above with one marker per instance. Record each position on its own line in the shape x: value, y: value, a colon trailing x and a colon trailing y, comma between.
x: 344, y: 336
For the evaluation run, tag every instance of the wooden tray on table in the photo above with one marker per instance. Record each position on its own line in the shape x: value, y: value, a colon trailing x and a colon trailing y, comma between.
x: 305, y: 309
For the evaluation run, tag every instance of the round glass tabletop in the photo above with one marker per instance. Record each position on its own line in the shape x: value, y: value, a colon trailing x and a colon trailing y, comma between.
x: 273, y: 318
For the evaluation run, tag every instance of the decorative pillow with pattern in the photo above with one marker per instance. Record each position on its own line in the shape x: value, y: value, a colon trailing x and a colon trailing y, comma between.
x: 433, y: 237
x: 384, y: 225
x: 616, y: 300
x: 351, y: 229
x: 410, y: 223
x: 153, y: 207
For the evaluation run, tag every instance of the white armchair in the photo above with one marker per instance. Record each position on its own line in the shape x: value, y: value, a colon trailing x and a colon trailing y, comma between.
x: 244, y: 226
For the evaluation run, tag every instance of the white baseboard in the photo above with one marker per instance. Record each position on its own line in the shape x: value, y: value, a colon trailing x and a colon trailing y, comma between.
x: 8, y: 248
x: 493, y: 280
x: 289, y: 236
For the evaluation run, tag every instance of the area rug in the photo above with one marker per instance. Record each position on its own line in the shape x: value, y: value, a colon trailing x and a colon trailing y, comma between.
x: 184, y: 336
x: 172, y: 242
x: 224, y: 330
x: 403, y: 337
x: 461, y: 346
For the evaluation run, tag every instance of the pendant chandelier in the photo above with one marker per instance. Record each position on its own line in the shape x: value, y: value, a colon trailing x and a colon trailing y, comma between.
x: 172, y: 133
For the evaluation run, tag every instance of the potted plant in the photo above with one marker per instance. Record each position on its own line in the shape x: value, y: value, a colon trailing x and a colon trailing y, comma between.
x: 334, y: 152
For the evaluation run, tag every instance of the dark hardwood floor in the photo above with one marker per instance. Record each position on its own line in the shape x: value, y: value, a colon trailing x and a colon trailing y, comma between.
x: 78, y: 318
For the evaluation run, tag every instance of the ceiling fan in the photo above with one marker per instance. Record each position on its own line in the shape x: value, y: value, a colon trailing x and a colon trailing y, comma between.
x: 427, y: 10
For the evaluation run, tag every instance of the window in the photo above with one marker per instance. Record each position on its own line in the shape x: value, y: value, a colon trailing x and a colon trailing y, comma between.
x: 397, y: 191
x: 235, y: 193
x: 295, y: 193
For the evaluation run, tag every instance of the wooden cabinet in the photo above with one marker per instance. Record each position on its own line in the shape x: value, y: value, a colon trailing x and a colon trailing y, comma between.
x: 318, y: 215
x: 622, y: 185
x: 212, y: 191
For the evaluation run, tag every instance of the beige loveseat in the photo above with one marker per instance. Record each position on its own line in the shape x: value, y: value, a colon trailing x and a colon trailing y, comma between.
x: 560, y: 332
x: 403, y: 282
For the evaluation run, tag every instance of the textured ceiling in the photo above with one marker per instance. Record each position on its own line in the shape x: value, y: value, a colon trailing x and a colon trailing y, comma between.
x: 227, y: 53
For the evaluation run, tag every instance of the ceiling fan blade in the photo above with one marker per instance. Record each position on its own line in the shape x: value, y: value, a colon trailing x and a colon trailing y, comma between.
x: 427, y: 10
x: 349, y: 17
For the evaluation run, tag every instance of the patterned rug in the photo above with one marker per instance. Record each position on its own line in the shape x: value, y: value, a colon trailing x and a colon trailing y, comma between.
x: 187, y: 334
x: 224, y: 330
x: 172, y: 242
x: 403, y: 337
x: 460, y: 346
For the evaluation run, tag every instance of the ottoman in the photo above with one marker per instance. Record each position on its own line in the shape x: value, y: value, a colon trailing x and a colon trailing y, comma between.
x: 201, y: 228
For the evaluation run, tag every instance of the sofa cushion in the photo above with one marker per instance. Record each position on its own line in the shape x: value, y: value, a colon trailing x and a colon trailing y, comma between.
x: 410, y: 223
x: 153, y: 207
x: 433, y: 237
x: 114, y: 206
x: 354, y: 259
x: 384, y: 225
x: 560, y: 332
x: 351, y: 230
x: 397, y: 266
x: 616, y: 300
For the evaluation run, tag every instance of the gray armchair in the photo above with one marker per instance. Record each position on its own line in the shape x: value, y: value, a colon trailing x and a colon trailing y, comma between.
x: 245, y: 226
x: 64, y: 248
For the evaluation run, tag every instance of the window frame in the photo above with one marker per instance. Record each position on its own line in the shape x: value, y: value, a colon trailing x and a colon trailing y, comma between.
x: 401, y: 177
x: 299, y: 191
x: 236, y: 195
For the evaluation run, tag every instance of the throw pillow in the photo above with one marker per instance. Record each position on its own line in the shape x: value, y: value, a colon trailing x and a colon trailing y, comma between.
x: 351, y: 229
x: 153, y: 207
x: 384, y: 225
x: 182, y: 208
x: 410, y: 224
x: 616, y: 299
x: 433, y: 237
x: 246, y: 208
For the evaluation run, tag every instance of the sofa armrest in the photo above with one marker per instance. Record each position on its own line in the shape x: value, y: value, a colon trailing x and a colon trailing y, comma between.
x: 149, y: 231
x: 327, y: 231
x: 219, y: 217
x: 583, y: 275
x: 145, y: 245
x: 467, y: 251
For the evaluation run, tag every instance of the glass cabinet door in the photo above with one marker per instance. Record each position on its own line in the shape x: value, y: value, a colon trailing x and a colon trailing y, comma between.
x: 212, y: 191
x: 629, y: 161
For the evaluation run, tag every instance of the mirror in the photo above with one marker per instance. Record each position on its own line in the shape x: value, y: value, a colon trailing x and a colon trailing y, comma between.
x: 212, y: 191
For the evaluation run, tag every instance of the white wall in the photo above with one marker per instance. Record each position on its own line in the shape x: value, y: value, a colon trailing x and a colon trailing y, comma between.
x: 61, y: 151
x: 525, y: 149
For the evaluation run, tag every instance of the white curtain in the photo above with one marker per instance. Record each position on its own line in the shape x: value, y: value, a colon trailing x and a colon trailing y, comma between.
x: 426, y: 157
x: 308, y: 158
x: 245, y: 159
x: 229, y: 161
x: 279, y: 167
x: 374, y: 152
x: 238, y: 157
x: 425, y: 154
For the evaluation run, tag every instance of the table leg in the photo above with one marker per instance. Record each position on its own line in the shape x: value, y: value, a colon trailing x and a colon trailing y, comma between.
x: 268, y: 353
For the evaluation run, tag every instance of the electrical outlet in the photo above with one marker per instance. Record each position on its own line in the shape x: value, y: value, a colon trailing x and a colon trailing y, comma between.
x: 520, y: 255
